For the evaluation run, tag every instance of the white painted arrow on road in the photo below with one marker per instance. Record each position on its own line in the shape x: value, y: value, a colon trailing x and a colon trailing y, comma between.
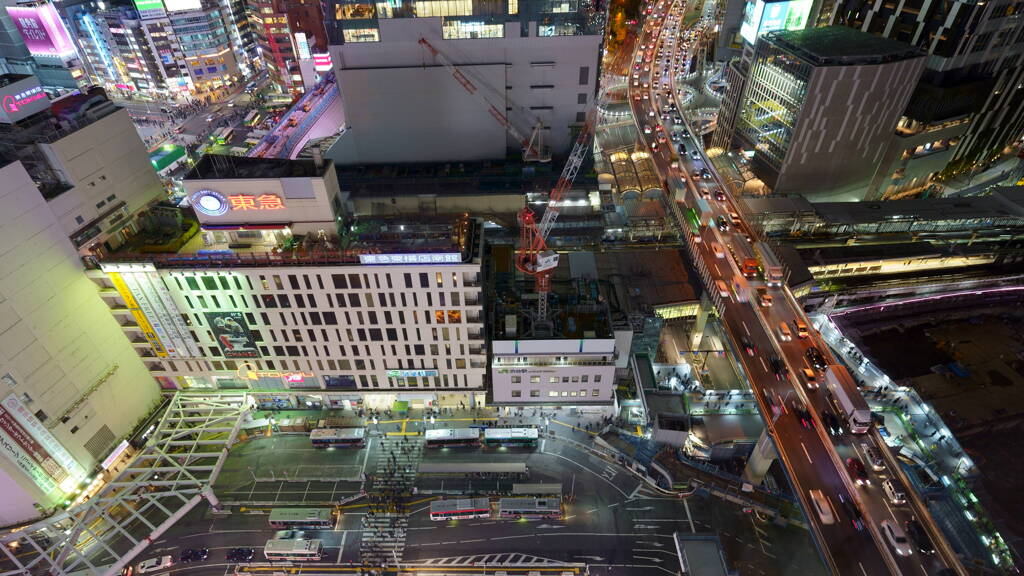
x: 550, y: 526
x: 658, y: 560
x: 594, y: 558
x: 642, y: 526
x: 658, y: 544
x: 641, y: 509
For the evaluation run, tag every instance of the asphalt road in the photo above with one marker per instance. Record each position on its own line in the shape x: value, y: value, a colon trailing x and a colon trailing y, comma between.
x: 806, y: 451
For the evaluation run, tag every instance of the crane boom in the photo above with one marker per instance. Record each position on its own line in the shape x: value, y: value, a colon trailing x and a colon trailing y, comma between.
x: 532, y: 149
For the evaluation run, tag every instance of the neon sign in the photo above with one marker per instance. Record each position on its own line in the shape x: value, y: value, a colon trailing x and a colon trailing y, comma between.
x: 14, y: 102
x: 412, y: 373
x: 261, y: 202
x: 213, y: 203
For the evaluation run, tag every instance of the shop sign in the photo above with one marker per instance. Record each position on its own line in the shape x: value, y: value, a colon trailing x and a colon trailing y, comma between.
x: 247, y: 372
x: 213, y: 203
x: 412, y: 373
x: 33, y: 449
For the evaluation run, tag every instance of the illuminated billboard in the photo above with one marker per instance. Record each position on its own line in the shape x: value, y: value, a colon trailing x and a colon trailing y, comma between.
x: 42, y: 30
x: 233, y: 334
x: 34, y: 450
x: 150, y: 8
x: 182, y: 5
x: 20, y: 97
x: 760, y: 17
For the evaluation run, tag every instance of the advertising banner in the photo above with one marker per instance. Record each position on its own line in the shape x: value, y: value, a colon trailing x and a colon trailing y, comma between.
x: 232, y: 334
x: 42, y: 30
x: 30, y: 446
x: 140, y: 318
x: 21, y: 98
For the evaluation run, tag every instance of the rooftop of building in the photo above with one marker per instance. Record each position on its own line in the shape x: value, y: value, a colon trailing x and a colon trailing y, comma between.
x: 11, y: 78
x: 825, y: 255
x: 224, y: 167
x: 67, y: 115
x: 842, y: 46
x: 171, y: 238
x: 647, y: 279
x: 577, y: 307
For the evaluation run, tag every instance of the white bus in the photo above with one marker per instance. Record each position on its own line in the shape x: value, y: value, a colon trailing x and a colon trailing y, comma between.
x: 340, y: 437
x: 299, y: 550
x: 460, y: 509
x: 448, y: 437
x: 530, y: 508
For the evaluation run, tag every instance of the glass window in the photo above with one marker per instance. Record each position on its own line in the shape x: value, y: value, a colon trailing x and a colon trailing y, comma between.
x: 517, y: 393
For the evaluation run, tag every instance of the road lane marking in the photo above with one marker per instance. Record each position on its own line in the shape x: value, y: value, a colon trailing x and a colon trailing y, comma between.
x: 763, y: 363
x: 588, y: 470
x: 863, y: 571
x: 806, y: 453
x: 745, y: 329
x: 689, y: 516
x: 341, y: 548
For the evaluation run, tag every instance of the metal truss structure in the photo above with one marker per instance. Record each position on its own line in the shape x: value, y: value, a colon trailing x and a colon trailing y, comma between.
x: 170, y: 475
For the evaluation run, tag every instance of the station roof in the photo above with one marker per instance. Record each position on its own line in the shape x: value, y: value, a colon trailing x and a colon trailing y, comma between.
x: 1007, y: 202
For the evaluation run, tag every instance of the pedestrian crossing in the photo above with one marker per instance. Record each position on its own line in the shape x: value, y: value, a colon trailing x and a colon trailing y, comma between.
x: 386, y: 522
x: 506, y: 559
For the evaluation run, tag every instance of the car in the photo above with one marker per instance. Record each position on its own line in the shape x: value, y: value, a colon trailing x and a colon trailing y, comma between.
x: 675, y: 136
x: 810, y: 378
x: 720, y: 196
x: 723, y: 289
x: 831, y: 422
x: 735, y: 218
x: 748, y: 346
x: 815, y: 357
x: 647, y: 129
x: 654, y: 144
x: 918, y: 536
x: 800, y: 409
x: 647, y: 95
x: 695, y: 155
x: 723, y: 226
x: 154, y: 564
x: 636, y: 96
x: 822, y: 506
x: 240, y: 554
x: 662, y: 139
x: 763, y: 296
x: 779, y: 367
x: 801, y: 328
x: 874, y: 458
x: 682, y: 148
x: 896, y: 537
x: 893, y: 493
x: 784, y: 332
x: 717, y: 249
x: 650, y: 114
x: 856, y: 518
x: 859, y: 475
x: 706, y: 174
x: 209, y: 118
x: 289, y: 535
x: 194, y: 554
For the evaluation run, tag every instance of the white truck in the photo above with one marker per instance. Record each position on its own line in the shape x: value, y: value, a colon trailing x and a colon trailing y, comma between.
x: 848, y: 398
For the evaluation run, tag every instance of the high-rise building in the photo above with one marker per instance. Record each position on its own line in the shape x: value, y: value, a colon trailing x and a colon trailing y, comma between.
x: 73, y: 175
x: 969, y: 104
x: 535, y: 61
x: 35, y: 41
x: 289, y: 32
x: 259, y: 290
x: 820, y: 106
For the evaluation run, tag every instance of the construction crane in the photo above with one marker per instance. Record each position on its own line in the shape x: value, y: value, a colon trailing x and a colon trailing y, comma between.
x: 534, y: 257
x: 533, y: 148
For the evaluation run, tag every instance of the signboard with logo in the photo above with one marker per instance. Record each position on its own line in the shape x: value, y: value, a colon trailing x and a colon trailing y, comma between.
x: 42, y: 30
x: 232, y: 334
x: 412, y: 373
x: 150, y: 8
x: 21, y: 97
x: 213, y: 203
x: 322, y: 62
x: 33, y: 449
x: 429, y: 258
x: 303, y: 45
x: 182, y: 5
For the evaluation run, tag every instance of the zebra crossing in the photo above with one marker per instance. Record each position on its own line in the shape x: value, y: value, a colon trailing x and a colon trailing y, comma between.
x: 387, y: 522
x: 504, y: 559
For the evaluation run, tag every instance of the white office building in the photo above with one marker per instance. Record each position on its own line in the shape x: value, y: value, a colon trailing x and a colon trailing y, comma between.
x: 71, y: 385
x: 261, y: 294
x: 536, y: 62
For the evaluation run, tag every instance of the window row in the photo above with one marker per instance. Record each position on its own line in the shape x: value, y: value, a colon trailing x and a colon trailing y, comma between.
x: 558, y: 394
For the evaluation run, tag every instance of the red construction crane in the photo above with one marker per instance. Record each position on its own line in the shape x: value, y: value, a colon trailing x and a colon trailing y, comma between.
x: 533, y: 149
x: 534, y: 257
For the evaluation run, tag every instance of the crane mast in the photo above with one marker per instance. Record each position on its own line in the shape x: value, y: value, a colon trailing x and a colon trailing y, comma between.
x: 533, y: 150
x: 534, y: 257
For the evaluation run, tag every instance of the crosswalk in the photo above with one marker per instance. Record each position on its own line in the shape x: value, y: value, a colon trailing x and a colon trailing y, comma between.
x: 386, y: 523
x: 506, y: 559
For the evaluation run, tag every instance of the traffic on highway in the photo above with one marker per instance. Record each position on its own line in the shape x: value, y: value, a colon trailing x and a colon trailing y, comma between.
x: 864, y: 519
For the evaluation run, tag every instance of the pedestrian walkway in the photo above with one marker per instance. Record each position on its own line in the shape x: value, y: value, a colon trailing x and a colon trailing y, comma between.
x: 386, y: 521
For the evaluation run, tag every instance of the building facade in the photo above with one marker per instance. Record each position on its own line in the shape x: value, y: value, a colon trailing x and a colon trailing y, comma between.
x: 386, y: 310
x: 536, y: 61
x: 820, y: 106
x: 64, y: 360
x: 975, y: 70
x: 288, y: 32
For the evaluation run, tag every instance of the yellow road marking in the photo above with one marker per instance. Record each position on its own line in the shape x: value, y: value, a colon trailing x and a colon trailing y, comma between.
x: 574, y: 427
